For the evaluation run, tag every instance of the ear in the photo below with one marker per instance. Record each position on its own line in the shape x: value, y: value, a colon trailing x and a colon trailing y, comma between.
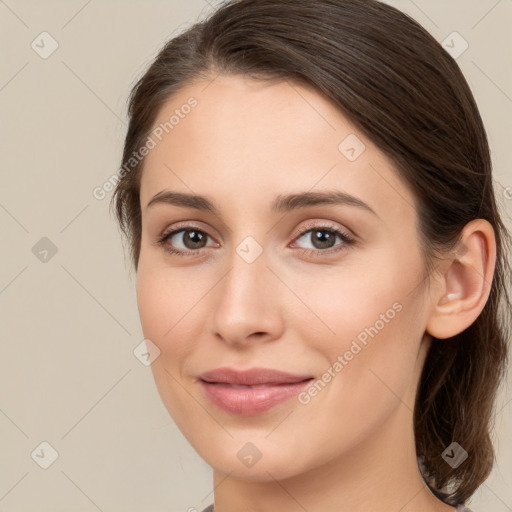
x: 465, y: 282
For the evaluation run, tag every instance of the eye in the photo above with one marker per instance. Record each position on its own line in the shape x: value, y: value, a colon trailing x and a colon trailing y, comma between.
x: 189, y: 240
x: 323, y: 239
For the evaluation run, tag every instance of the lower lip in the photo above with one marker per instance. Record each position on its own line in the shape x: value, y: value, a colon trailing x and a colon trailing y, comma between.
x: 250, y: 401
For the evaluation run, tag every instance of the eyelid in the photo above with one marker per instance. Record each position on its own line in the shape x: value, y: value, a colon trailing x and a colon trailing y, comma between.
x: 185, y: 225
x: 346, y: 236
x: 318, y: 224
x: 321, y: 225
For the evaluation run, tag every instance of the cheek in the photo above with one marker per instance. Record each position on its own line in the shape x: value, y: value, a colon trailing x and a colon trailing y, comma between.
x: 376, y: 326
x: 364, y: 382
x: 380, y: 359
x: 163, y: 319
x: 170, y: 309
x: 350, y: 301
x: 150, y: 304
x: 162, y: 301
x: 160, y: 310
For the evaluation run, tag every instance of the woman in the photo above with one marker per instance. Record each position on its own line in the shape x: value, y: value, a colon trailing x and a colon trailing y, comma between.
x: 307, y: 193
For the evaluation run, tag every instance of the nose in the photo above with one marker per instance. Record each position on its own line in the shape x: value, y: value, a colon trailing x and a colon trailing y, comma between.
x: 247, y: 303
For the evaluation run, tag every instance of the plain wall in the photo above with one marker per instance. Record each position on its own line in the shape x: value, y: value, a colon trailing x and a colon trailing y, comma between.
x: 68, y: 319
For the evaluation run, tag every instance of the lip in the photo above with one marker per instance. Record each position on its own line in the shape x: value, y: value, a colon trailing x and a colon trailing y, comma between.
x: 252, y: 391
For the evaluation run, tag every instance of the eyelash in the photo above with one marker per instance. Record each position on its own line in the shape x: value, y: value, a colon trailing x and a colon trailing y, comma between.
x: 347, y: 240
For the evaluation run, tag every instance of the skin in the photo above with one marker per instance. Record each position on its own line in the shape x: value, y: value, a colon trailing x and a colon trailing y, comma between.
x: 352, y: 445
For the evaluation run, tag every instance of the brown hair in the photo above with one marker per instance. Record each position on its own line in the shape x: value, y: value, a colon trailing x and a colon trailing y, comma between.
x: 403, y: 91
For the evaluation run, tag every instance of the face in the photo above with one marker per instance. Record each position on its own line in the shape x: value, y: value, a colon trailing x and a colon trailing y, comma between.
x: 313, y: 311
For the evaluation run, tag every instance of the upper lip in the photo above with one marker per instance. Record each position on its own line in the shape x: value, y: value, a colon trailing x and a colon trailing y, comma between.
x: 251, y: 377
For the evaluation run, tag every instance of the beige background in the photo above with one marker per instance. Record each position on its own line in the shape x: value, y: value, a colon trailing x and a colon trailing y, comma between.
x: 69, y: 325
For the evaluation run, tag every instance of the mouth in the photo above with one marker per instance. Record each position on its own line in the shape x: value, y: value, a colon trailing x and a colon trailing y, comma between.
x: 251, y: 377
x: 251, y: 391
x: 242, y: 386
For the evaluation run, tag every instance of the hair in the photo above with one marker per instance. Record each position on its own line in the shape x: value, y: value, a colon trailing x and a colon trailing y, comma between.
x: 404, y: 92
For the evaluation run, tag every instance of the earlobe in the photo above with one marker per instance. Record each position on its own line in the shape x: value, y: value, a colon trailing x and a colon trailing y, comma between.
x: 466, y: 283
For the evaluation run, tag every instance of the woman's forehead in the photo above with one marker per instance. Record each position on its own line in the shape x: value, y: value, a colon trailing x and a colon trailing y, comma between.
x: 269, y: 139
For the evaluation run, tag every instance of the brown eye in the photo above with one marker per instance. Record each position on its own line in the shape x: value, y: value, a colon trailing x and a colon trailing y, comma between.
x: 186, y: 241
x: 323, y: 238
x: 192, y: 239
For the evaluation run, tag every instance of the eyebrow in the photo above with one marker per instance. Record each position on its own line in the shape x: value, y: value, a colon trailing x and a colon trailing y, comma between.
x: 281, y: 204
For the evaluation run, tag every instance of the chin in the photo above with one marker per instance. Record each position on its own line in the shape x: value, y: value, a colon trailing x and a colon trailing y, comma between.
x: 267, y: 471
x: 233, y: 458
